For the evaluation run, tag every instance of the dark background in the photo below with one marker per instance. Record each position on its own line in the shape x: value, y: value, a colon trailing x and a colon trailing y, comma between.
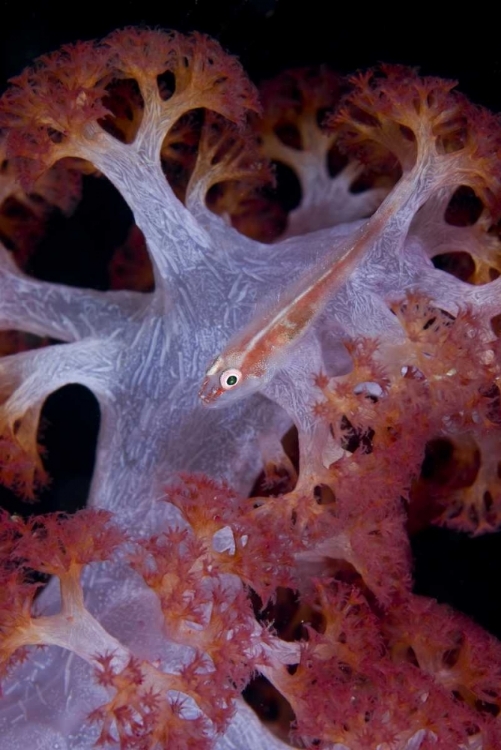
x: 268, y: 36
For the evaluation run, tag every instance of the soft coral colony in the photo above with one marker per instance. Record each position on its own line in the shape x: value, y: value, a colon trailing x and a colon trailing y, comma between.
x: 343, y: 327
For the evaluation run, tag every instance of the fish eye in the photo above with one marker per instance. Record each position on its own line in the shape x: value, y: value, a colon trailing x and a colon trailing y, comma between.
x: 230, y: 378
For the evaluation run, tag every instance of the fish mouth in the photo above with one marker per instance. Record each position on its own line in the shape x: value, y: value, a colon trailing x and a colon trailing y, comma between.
x: 209, y: 392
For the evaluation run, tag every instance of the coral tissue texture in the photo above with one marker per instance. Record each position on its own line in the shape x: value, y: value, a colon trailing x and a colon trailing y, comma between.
x: 364, y: 321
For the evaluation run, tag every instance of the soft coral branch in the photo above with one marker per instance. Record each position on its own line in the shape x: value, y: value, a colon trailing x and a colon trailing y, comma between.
x: 224, y: 154
x: 62, y: 312
x: 422, y: 121
x: 26, y: 379
x: 145, y: 704
x: 294, y: 105
x: 351, y: 655
x: 60, y: 547
x: 57, y: 109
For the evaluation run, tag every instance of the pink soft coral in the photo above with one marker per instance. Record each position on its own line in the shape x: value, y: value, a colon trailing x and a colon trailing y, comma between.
x: 162, y: 586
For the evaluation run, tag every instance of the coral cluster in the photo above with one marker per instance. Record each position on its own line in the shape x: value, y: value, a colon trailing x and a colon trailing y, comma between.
x: 236, y: 322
